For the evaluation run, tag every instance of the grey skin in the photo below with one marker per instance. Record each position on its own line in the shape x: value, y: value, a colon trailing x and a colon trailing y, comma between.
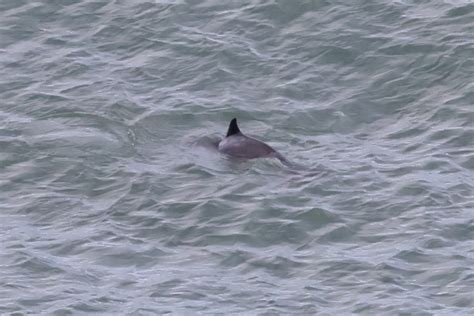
x: 238, y: 145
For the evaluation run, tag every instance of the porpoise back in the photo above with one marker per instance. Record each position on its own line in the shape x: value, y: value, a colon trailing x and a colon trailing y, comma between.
x: 236, y: 144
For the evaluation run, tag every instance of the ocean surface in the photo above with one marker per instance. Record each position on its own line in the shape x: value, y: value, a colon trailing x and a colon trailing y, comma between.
x: 115, y: 201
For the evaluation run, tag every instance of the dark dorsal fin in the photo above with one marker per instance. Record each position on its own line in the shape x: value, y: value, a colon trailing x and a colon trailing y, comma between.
x: 233, y: 128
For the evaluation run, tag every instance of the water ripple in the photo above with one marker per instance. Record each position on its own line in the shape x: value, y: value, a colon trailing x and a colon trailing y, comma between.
x: 114, y: 199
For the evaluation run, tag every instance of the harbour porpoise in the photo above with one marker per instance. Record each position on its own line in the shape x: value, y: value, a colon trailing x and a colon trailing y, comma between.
x: 236, y: 144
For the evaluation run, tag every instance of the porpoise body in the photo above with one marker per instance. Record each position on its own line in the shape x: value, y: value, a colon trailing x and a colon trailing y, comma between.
x: 236, y: 144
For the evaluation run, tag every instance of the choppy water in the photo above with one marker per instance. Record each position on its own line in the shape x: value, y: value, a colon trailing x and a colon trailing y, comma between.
x: 111, y: 202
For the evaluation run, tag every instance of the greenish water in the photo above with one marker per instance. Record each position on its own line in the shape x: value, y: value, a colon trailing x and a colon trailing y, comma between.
x: 113, y: 202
